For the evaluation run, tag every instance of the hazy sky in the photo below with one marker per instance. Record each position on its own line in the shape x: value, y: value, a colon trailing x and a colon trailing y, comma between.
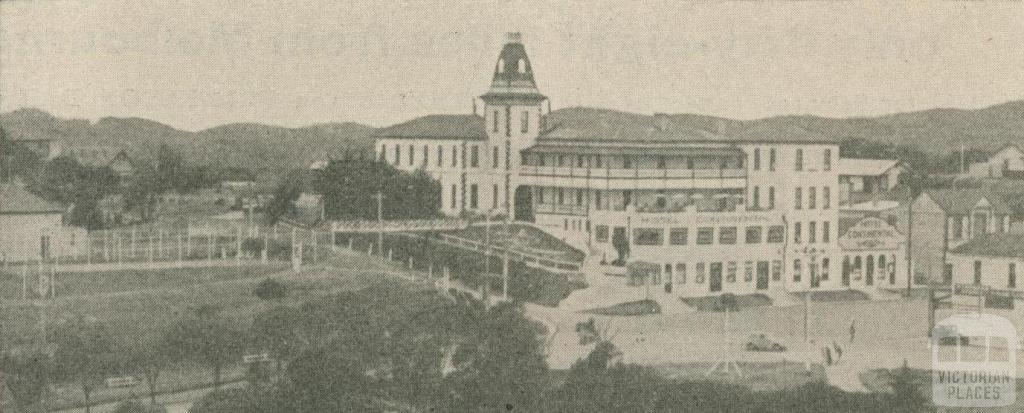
x: 194, y: 64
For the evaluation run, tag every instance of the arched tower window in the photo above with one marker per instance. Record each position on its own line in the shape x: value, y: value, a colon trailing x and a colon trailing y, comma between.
x: 522, y: 66
x: 501, y: 65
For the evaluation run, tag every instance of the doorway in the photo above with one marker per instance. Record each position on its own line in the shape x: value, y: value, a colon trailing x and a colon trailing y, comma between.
x: 715, y: 278
x: 762, y: 275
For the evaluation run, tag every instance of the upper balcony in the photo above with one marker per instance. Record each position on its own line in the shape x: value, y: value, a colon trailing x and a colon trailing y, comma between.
x: 634, y: 178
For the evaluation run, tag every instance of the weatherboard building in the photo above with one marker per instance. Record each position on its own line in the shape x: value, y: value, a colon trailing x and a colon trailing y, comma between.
x: 740, y: 212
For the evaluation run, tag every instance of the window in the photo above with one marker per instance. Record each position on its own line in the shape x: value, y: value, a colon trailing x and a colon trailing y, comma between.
x: 824, y: 268
x: 828, y: 160
x: 727, y: 235
x: 826, y: 231
x: 812, y: 232
x: 771, y: 197
x: 797, y: 229
x: 627, y: 162
x: 681, y: 273
x: 730, y: 272
x: 705, y: 236
x: 771, y: 159
x: 455, y: 156
x: 597, y: 161
x: 753, y: 235
x: 757, y: 159
x: 521, y: 66
x: 958, y: 228
x: 748, y: 271
x: 757, y: 198
x: 648, y: 236
x: 660, y: 200
x: 776, y: 234
x: 678, y: 236
x: 689, y: 163
x: 977, y: 272
x: 826, y: 197
x: 495, y: 157
x: 579, y: 197
x: 701, y: 270
x: 798, y: 198
x: 627, y: 198
x: 494, y: 198
x: 440, y: 156
x: 494, y: 126
x: 1011, y: 275
x: 383, y: 153
x: 426, y: 155
x: 473, y: 196
x: 798, y: 163
x: 561, y: 196
x: 474, y: 156
x: 524, y: 122
x: 661, y: 162
x: 797, y: 269
x: 398, y: 154
x: 412, y: 155
x: 776, y: 270
x: 540, y: 195
x: 579, y: 161
x: 455, y: 196
x: 601, y: 233
x: 812, y: 197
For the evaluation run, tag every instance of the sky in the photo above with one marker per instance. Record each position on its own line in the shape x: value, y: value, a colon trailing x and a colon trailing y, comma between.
x: 197, y: 64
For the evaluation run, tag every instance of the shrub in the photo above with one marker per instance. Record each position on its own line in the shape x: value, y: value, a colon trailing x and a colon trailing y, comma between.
x: 134, y: 406
x: 270, y: 289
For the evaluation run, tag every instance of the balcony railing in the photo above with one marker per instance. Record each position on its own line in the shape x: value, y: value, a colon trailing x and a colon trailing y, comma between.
x: 606, y: 173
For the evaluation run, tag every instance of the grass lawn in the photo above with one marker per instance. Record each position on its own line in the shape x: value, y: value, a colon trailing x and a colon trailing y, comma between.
x: 878, y: 380
x: 632, y: 308
x: 757, y: 376
x: 133, y: 301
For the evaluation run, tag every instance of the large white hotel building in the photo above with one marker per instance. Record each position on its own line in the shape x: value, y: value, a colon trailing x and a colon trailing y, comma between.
x: 716, y: 212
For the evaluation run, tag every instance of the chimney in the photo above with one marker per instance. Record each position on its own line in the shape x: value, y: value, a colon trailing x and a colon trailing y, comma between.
x: 662, y: 122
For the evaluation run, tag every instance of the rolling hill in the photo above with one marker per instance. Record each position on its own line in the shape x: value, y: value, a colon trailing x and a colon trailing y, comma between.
x: 268, y: 149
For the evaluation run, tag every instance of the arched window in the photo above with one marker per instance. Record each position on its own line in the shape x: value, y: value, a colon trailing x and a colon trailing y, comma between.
x: 522, y: 66
x: 501, y: 65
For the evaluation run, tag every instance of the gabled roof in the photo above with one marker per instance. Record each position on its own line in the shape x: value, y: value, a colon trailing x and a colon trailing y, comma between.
x: 96, y: 156
x: 993, y: 245
x: 582, y: 124
x: 961, y: 201
x: 437, y: 127
x: 866, y: 167
x: 1006, y: 148
x: 16, y: 200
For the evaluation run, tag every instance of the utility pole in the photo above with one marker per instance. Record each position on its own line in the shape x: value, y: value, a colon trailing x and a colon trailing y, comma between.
x: 380, y: 222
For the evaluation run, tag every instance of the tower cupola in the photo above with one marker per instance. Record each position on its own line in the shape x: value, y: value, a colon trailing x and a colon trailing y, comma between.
x: 513, y: 75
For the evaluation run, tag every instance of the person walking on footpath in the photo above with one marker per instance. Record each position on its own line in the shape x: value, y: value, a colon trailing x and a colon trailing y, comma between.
x: 853, y: 330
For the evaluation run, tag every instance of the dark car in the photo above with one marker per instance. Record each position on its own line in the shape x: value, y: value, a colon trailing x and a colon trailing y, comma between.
x: 761, y: 342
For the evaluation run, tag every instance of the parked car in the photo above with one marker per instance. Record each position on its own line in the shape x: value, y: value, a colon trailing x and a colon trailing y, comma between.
x: 761, y: 342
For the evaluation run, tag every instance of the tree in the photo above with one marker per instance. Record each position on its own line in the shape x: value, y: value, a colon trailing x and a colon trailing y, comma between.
x: 349, y: 188
x: 206, y: 337
x: 86, y: 352
x: 907, y: 395
x: 148, y: 355
x: 277, y: 331
x: 27, y: 377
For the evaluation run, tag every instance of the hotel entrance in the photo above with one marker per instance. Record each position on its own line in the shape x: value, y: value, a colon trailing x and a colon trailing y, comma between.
x: 762, y: 275
x: 715, y: 278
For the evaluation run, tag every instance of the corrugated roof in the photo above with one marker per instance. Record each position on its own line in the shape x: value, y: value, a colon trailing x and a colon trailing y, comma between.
x: 591, y: 124
x: 993, y: 245
x: 437, y: 127
x: 866, y: 167
x: 16, y: 200
x: 962, y: 201
x: 614, y: 148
